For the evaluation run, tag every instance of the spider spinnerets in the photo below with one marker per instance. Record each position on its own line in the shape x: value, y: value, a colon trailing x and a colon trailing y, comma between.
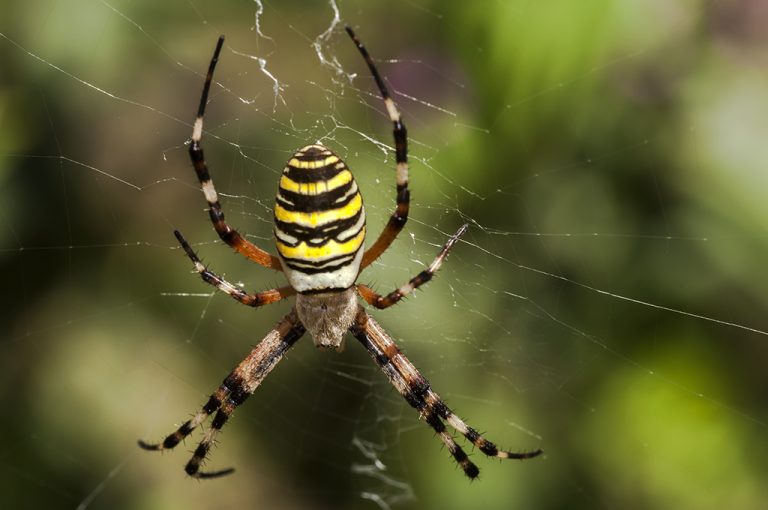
x: 320, y: 236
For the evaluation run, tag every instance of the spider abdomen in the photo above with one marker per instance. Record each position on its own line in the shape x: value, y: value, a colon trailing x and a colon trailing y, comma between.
x: 319, y: 221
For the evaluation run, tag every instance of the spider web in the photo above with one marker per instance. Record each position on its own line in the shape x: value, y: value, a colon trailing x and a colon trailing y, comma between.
x: 607, y: 303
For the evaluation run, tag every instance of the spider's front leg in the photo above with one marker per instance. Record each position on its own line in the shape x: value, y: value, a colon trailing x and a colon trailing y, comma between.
x: 258, y: 299
x: 403, y: 197
x: 227, y: 234
x: 419, y: 394
x: 235, y: 389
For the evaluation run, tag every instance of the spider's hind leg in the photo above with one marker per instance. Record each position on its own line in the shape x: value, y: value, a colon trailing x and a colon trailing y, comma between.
x: 419, y: 394
x: 186, y: 428
x: 482, y: 444
x: 218, y: 402
x: 235, y: 389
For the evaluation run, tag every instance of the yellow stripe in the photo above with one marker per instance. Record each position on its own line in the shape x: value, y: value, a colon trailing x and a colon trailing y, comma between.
x: 316, y: 188
x: 313, y: 163
x: 313, y: 219
x: 316, y: 253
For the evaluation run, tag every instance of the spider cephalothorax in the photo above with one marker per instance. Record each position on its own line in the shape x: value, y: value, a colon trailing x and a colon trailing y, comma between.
x: 320, y: 237
x: 328, y: 316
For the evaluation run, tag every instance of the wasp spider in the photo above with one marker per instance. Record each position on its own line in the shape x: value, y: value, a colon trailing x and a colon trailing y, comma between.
x: 320, y: 232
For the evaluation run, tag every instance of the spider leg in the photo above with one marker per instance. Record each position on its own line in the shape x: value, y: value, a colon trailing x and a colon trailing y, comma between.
x: 226, y: 233
x: 414, y: 283
x: 418, y: 393
x: 214, y: 402
x: 400, y: 216
x: 258, y: 299
x: 235, y: 389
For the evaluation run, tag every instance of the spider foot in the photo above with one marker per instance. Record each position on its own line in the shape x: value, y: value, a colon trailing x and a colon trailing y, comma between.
x: 470, y: 469
x: 149, y: 446
x: 193, y: 469
x: 168, y: 443
x: 456, y: 236
x: 187, y: 248
x: 519, y: 455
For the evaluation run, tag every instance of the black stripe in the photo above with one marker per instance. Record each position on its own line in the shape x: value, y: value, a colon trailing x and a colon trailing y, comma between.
x: 325, y: 232
x: 403, y: 194
x: 293, y: 335
x: 401, y: 142
x: 314, y: 153
x: 198, y: 161
x: 322, y: 262
x: 239, y: 395
x: 175, y: 438
x: 434, y: 422
x: 472, y: 435
x: 313, y: 174
x: 379, y: 357
x: 419, y: 386
x: 326, y: 201
x: 233, y: 380
x: 488, y: 448
x: 192, y: 466
x: 324, y: 290
x: 219, y: 420
x: 413, y: 401
x: 202, y: 450
x: 460, y: 455
x: 471, y: 471
x: 300, y: 264
x: 212, y: 404
x: 442, y: 410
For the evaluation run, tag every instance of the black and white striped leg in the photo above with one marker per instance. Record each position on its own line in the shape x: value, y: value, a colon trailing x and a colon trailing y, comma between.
x: 400, y: 216
x: 235, y: 389
x: 214, y: 402
x: 381, y: 302
x: 418, y: 393
x: 225, y: 232
x: 258, y: 299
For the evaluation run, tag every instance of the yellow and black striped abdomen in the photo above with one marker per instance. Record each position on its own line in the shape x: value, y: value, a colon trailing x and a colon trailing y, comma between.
x: 319, y: 221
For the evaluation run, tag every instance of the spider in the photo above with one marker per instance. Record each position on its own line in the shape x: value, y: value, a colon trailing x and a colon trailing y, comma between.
x: 319, y: 227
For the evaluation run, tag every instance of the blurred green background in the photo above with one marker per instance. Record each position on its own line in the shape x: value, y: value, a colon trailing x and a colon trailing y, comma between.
x: 607, y: 304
